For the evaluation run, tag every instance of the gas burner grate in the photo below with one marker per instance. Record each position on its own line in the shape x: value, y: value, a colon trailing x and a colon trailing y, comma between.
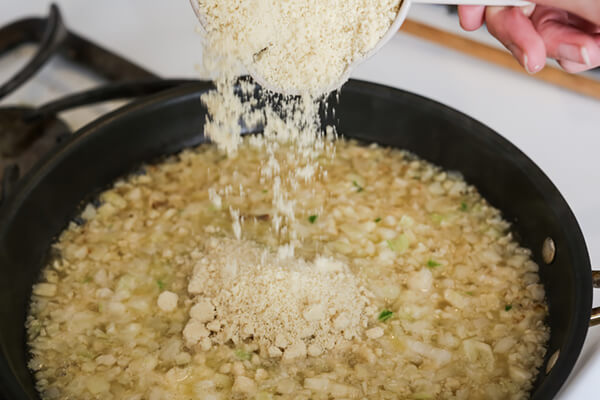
x: 27, y: 133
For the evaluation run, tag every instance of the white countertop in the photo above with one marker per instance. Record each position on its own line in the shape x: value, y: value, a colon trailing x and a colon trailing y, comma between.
x: 558, y: 129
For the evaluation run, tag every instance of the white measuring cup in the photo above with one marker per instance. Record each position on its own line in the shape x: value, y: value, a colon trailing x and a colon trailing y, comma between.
x: 402, y: 13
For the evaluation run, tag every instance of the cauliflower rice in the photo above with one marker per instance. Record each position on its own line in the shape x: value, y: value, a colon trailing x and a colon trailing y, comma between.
x: 295, y: 45
x: 456, y: 310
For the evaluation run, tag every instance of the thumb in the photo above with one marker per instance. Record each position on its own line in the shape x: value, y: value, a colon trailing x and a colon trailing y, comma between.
x: 576, y: 49
x: 587, y: 9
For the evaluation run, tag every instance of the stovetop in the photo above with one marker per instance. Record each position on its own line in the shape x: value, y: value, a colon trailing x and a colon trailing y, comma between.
x: 28, y: 131
x: 557, y: 129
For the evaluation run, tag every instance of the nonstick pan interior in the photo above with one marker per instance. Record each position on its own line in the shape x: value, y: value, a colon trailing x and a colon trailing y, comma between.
x: 49, y: 196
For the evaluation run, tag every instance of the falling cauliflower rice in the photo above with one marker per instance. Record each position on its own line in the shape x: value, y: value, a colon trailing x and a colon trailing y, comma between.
x: 297, y: 45
x: 154, y: 297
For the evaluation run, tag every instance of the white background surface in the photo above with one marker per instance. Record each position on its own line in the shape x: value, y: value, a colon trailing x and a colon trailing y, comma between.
x: 559, y: 130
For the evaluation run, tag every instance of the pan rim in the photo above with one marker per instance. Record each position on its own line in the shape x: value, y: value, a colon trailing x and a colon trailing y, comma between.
x: 583, y: 285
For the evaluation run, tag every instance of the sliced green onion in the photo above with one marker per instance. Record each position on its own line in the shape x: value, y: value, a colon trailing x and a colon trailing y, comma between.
x: 242, y: 355
x: 508, y: 307
x: 433, y: 264
x: 161, y: 285
x: 385, y: 315
x: 312, y: 219
x: 357, y: 186
x: 464, y: 206
x: 378, y: 219
x: 399, y: 244
x: 437, y: 218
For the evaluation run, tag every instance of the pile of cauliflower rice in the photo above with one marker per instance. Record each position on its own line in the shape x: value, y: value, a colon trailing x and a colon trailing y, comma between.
x: 456, y: 308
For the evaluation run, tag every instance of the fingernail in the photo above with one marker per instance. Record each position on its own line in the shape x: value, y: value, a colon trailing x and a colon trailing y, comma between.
x: 523, y: 59
x: 528, y: 10
x: 526, y: 64
x: 571, y: 52
x: 586, y: 56
x: 531, y: 69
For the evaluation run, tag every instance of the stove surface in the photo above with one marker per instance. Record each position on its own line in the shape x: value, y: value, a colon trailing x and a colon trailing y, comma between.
x: 559, y: 130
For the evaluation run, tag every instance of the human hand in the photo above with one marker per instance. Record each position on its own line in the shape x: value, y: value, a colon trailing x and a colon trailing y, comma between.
x: 566, y: 30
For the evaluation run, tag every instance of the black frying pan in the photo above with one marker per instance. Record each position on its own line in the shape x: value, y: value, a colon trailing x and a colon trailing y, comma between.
x: 44, y: 201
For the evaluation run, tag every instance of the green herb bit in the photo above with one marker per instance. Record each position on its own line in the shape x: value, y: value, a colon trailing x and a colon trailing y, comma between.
x: 385, y: 315
x: 87, y: 279
x: 437, y: 218
x: 433, y: 264
x: 464, y: 206
x: 378, y: 219
x: 265, y: 191
x: 399, y: 244
x: 469, y: 293
x: 357, y: 186
x: 242, y: 355
x: 161, y: 285
x: 86, y: 354
x: 508, y: 307
x: 312, y: 218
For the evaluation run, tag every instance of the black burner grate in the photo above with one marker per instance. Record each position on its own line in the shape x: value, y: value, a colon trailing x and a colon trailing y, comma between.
x: 27, y: 133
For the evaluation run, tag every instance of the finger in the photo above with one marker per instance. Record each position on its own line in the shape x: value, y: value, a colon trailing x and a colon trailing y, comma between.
x: 587, y: 9
x: 563, y: 41
x: 517, y: 33
x: 528, y: 10
x: 471, y: 17
x: 572, y: 67
x: 583, y: 24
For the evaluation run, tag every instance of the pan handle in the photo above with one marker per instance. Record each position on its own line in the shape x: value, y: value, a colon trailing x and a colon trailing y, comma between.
x: 595, y: 318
